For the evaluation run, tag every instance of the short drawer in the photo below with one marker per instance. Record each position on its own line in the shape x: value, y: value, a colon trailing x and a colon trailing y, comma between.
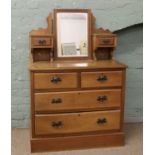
x: 41, y: 41
x: 101, y: 79
x: 55, y: 80
x: 105, y: 41
x: 78, y: 100
x: 76, y: 122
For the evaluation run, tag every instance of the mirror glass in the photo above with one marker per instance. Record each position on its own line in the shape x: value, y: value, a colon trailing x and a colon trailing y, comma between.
x: 72, y: 34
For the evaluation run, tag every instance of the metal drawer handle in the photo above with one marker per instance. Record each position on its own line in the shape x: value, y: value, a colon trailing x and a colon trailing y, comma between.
x: 56, y: 124
x: 106, y: 41
x: 42, y: 41
x: 56, y: 100
x: 56, y: 79
x: 101, y: 121
x: 102, y: 78
x: 101, y: 98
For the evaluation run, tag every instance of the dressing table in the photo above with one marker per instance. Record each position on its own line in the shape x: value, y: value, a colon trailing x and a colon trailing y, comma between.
x: 77, y: 87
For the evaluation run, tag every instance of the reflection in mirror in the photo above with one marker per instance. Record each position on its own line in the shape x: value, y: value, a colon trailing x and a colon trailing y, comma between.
x: 72, y: 34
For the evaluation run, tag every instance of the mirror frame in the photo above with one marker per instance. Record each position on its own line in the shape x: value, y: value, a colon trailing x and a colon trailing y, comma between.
x: 90, y: 28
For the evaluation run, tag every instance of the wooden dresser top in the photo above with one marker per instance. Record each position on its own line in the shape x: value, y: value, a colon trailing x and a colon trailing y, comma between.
x: 69, y: 65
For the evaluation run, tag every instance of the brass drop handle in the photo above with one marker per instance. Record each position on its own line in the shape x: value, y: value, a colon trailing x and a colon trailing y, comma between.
x: 101, y: 121
x: 42, y: 41
x: 101, y: 98
x: 56, y: 124
x: 56, y: 79
x: 56, y: 101
x: 102, y: 78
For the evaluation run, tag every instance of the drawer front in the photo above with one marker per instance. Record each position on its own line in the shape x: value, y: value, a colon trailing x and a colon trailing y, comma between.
x: 55, y: 80
x: 101, y: 79
x: 41, y: 41
x: 76, y: 122
x: 104, y: 41
x: 80, y: 100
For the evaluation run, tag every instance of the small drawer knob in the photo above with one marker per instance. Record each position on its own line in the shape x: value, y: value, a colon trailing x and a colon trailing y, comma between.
x: 56, y: 101
x: 56, y: 124
x: 56, y: 79
x: 102, y: 78
x: 101, y: 98
x: 101, y: 121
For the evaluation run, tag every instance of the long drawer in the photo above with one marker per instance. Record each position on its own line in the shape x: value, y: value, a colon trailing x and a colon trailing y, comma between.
x: 55, y: 80
x: 76, y: 122
x: 101, y: 79
x: 77, y: 100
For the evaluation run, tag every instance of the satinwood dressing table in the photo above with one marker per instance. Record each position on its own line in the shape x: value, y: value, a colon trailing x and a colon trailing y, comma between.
x: 77, y: 87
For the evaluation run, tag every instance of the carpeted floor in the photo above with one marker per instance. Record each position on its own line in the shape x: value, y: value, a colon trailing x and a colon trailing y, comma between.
x: 133, y: 146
